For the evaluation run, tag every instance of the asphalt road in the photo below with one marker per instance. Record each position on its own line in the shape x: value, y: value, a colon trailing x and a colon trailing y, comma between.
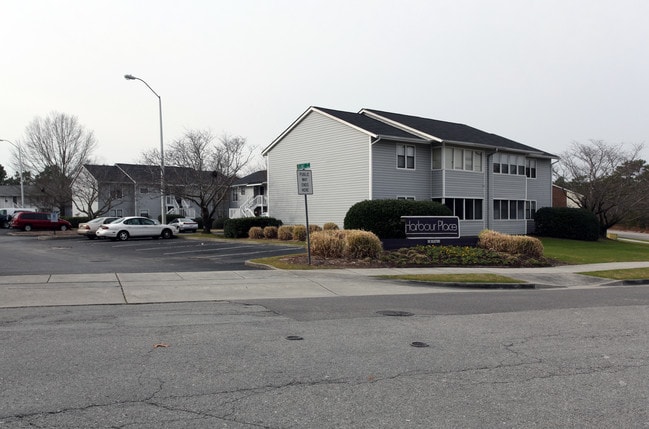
x: 290, y: 364
x: 76, y: 255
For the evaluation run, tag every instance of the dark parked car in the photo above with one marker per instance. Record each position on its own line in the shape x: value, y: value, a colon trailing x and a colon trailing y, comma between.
x: 38, y: 220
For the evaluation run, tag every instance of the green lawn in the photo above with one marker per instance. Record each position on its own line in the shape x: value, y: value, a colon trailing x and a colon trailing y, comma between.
x: 593, y: 252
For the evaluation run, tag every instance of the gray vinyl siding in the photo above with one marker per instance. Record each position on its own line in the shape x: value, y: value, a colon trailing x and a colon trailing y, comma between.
x: 339, y: 157
x: 514, y: 227
x: 471, y: 228
x: 508, y: 187
x: 540, y: 189
x: 437, y: 184
x: 464, y: 184
x: 390, y: 182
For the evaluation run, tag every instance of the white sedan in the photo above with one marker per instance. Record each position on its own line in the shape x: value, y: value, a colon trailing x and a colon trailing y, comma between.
x: 135, y: 226
x: 184, y: 224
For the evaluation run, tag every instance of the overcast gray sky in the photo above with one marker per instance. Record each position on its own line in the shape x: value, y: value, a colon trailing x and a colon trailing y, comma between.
x: 543, y: 73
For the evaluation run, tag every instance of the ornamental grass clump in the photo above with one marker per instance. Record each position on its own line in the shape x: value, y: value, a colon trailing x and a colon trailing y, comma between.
x: 270, y: 232
x: 328, y: 244
x: 314, y: 228
x: 328, y: 226
x: 256, y: 232
x: 512, y: 244
x: 362, y: 244
x: 285, y: 232
x: 299, y: 233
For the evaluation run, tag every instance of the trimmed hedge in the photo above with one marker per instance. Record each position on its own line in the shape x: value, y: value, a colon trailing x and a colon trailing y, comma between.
x: 238, y: 228
x: 383, y: 217
x: 566, y: 222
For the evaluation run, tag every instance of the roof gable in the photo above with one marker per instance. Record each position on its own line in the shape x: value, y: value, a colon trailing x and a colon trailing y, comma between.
x: 450, y: 131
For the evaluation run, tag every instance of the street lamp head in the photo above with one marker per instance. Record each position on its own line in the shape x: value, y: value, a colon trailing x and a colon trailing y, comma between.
x: 129, y: 77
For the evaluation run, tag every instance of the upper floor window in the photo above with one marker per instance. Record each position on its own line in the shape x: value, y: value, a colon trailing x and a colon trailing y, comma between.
x: 406, y: 156
x: 508, y: 163
x: 530, y: 168
x: 235, y: 195
x: 456, y: 158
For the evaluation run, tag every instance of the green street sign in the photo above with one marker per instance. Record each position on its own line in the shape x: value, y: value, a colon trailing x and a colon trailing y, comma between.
x: 304, y: 166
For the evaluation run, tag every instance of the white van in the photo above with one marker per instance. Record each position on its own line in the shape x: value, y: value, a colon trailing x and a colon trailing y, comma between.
x: 7, y: 213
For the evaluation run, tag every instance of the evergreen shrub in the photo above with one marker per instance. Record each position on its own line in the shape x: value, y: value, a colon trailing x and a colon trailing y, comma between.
x: 566, y: 222
x: 383, y: 217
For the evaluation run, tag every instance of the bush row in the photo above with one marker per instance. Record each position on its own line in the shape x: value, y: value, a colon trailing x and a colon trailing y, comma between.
x: 287, y: 232
x: 513, y: 244
x: 238, y: 228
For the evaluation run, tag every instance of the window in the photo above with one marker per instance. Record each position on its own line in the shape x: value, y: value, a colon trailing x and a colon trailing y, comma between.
x: 116, y: 213
x: 116, y: 192
x: 507, y: 163
x: 406, y: 157
x: 458, y: 159
x: 235, y: 195
x: 437, y: 158
x: 514, y: 209
x: 144, y: 213
x: 243, y: 191
x: 530, y: 209
x: 405, y: 198
x: 530, y: 168
x: 464, y: 208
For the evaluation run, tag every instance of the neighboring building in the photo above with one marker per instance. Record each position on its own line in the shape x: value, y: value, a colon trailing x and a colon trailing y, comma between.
x: 248, y: 196
x: 488, y: 181
x: 562, y: 197
x: 127, y: 190
x: 10, y: 196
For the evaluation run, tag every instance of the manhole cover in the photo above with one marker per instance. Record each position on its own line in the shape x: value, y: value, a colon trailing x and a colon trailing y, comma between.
x: 394, y: 313
x: 419, y: 344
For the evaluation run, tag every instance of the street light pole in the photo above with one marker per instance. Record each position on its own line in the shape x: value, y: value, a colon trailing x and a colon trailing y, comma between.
x: 20, y: 164
x: 163, y: 214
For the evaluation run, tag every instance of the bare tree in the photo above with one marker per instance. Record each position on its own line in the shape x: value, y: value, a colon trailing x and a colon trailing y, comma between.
x: 205, y: 169
x: 608, y: 180
x: 55, y: 148
x: 86, y: 191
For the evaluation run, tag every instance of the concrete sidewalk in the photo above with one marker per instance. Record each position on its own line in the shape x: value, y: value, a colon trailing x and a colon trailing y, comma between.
x: 140, y: 288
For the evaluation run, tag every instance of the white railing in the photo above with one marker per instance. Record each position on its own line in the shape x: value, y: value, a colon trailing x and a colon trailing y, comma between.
x: 247, y: 209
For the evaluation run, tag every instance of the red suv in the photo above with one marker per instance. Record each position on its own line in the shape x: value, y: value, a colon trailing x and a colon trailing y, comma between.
x: 38, y: 220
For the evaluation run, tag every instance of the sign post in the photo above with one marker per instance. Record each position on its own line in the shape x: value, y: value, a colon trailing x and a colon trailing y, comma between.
x: 305, y: 187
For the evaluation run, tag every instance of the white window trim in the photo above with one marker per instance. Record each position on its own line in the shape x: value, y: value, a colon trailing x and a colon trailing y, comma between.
x: 405, y: 155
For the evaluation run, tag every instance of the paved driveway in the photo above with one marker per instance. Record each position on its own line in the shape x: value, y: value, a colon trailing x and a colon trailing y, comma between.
x: 76, y: 255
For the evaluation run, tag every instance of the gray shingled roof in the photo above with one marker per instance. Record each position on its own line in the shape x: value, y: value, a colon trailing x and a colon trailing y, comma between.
x: 369, y: 124
x: 107, y: 173
x: 450, y: 131
x: 260, y: 176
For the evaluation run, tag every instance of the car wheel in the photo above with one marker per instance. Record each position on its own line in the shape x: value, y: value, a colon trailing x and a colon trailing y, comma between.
x: 91, y: 237
x: 27, y: 228
x: 166, y: 233
x: 64, y: 227
x: 122, y: 235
